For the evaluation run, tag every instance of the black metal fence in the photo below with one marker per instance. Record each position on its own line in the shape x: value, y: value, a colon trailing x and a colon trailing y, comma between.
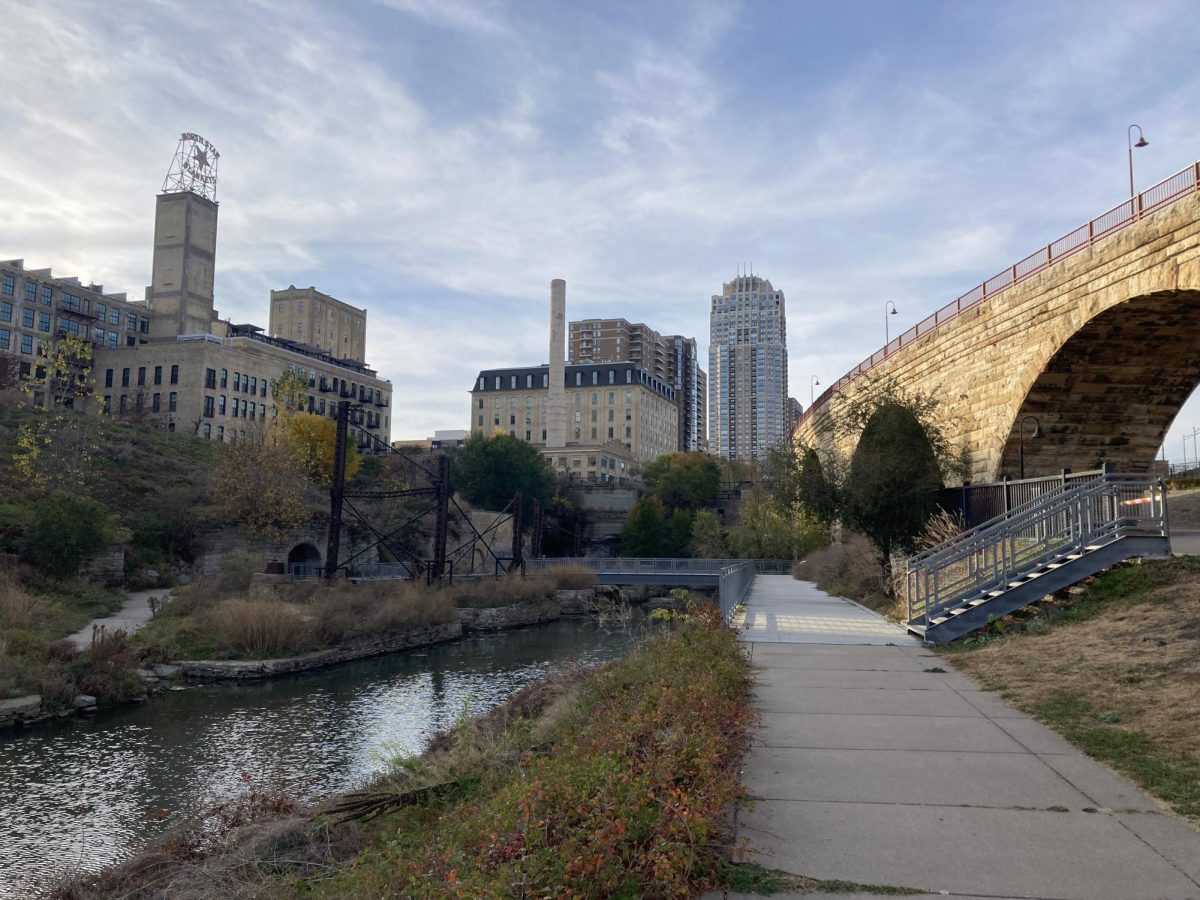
x: 979, y: 503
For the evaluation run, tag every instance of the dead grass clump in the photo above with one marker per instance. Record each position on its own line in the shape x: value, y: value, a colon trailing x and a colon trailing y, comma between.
x: 232, y: 579
x: 485, y: 593
x: 16, y: 606
x: 346, y: 610
x: 848, y: 568
x: 941, y: 527
x: 262, y: 629
x: 574, y: 577
x: 246, y: 863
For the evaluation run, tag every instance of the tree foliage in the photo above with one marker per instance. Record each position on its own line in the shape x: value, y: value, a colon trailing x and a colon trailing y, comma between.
x: 709, y: 540
x: 766, y: 531
x: 314, y: 439
x: 261, y: 483
x: 488, y: 470
x: 64, y: 531
x: 683, y: 480
x: 893, y: 478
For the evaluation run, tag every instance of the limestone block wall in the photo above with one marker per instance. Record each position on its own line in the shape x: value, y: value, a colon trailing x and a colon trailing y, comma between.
x: 1104, y: 347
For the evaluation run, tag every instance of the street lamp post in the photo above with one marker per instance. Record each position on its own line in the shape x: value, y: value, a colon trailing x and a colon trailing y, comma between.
x: 812, y: 391
x: 887, y: 337
x: 1037, y: 433
x: 1141, y: 142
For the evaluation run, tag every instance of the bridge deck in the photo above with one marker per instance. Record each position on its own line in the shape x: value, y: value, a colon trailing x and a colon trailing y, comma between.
x: 873, y: 767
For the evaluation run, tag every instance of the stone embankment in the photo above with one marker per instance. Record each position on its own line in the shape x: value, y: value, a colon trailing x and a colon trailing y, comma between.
x: 378, y: 645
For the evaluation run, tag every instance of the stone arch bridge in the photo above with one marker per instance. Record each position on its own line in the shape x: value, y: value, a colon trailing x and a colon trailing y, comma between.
x: 1097, y: 335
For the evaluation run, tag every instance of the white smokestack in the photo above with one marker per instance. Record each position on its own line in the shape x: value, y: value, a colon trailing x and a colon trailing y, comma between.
x: 556, y: 411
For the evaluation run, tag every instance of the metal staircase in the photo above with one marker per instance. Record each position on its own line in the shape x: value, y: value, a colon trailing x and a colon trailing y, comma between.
x: 1034, y: 549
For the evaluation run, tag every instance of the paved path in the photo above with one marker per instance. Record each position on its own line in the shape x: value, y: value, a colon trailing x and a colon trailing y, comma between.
x: 871, y: 766
x: 133, y: 614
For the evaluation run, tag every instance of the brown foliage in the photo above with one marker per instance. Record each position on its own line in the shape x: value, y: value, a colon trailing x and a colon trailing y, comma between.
x: 263, y: 629
x: 485, y: 592
x: 16, y: 606
x: 847, y: 568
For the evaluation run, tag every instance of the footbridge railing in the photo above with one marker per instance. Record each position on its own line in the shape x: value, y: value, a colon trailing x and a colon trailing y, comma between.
x: 733, y: 578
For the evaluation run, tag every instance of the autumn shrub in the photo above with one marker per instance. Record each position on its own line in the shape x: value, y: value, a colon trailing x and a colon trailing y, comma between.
x: 106, y: 669
x: 624, y: 799
x: 847, y: 568
x: 486, y: 592
x: 231, y: 579
x: 262, y: 629
x: 346, y: 610
x: 572, y: 577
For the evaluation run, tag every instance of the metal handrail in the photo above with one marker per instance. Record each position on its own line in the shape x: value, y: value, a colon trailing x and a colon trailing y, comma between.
x: 662, y: 566
x: 1055, y: 484
x: 1071, y: 521
x: 1183, y: 182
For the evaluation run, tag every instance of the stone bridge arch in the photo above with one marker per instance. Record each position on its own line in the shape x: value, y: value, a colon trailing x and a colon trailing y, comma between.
x: 1103, y: 347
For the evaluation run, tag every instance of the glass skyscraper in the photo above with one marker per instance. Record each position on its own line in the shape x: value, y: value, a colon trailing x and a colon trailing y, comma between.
x: 747, y: 370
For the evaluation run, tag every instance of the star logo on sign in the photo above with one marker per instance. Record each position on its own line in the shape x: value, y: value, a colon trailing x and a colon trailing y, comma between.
x: 200, y: 157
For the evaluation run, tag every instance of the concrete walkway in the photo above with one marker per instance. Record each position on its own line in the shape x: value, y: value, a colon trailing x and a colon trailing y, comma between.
x: 874, y: 766
x: 133, y: 614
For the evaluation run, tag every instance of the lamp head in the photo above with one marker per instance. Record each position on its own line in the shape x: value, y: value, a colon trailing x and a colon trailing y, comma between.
x: 893, y: 310
x: 1141, y: 142
x: 1037, y: 430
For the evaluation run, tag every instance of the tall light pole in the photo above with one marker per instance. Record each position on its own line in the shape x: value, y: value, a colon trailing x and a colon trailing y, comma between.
x: 887, y: 337
x: 812, y: 391
x: 1141, y: 142
x: 1037, y: 433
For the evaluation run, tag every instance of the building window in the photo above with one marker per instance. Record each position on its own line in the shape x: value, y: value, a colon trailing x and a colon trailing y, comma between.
x: 47, y: 294
x: 141, y: 376
x: 158, y: 374
x: 595, y: 398
x: 27, y: 344
x: 5, y: 338
x: 207, y: 430
x: 44, y: 322
x: 143, y: 324
x: 610, y: 432
x: 124, y: 378
x: 224, y: 378
x: 254, y: 385
x: 629, y: 376
x: 9, y: 285
x: 237, y: 381
x: 174, y: 374
x: 578, y: 379
x: 156, y: 402
x: 480, y: 423
x: 208, y: 407
x: 612, y: 376
x: 210, y: 378
x: 5, y: 312
x: 545, y: 379
x: 221, y: 404
x: 221, y: 433
x: 31, y: 291
x: 595, y: 378
x: 26, y: 317
x: 114, y: 317
x: 262, y: 388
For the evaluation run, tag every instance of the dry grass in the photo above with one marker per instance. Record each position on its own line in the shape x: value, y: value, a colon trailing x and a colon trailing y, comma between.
x: 573, y: 577
x: 1143, y: 661
x: 16, y: 606
x: 262, y: 629
x: 488, y: 592
x: 849, y: 568
x: 1183, y: 508
x: 345, y: 610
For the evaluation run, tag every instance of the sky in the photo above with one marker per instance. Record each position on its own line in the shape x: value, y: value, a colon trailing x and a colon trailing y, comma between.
x: 440, y: 161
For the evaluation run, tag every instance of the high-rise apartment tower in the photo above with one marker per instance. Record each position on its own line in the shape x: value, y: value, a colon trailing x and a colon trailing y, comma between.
x: 747, y: 369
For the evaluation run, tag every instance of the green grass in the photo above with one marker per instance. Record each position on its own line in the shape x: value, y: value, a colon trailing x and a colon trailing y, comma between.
x: 1163, y: 772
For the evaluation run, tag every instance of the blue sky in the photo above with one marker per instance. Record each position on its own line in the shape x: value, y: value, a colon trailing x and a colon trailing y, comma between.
x: 440, y: 161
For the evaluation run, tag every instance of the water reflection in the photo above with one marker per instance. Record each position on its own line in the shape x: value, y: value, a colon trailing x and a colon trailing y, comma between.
x: 82, y: 794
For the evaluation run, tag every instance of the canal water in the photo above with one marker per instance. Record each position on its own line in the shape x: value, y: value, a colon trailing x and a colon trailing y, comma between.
x: 82, y: 794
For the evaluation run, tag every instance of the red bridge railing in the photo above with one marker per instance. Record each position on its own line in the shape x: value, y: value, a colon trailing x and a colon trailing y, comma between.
x: 1169, y: 190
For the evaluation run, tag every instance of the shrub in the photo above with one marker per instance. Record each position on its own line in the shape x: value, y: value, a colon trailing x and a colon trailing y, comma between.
x: 262, y: 629
x: 66, y: 530
x: 846, y: 568
x: 345, y: 610
x: 232, y: 579
x: 574, y: 577
x: 108, y: 670
x: 487, y: 592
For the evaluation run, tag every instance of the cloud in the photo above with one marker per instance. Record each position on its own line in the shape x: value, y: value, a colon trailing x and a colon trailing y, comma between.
x: 440, y: 162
